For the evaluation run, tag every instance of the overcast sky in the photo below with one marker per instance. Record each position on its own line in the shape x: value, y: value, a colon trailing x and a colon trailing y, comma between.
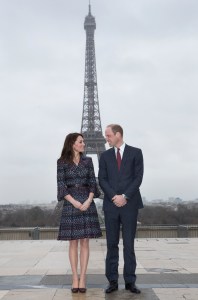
x: 147, y: 71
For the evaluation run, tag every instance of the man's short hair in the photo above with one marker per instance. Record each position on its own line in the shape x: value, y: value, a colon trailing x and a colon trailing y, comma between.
x: 116, y: 128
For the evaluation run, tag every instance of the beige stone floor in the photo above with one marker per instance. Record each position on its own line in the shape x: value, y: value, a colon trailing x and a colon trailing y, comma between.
x: 31, y: 259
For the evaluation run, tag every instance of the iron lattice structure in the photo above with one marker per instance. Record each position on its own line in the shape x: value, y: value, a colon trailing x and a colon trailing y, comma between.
x: 91, y: 123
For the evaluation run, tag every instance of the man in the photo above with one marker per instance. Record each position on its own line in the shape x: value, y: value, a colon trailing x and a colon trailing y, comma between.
x: 120, y: 176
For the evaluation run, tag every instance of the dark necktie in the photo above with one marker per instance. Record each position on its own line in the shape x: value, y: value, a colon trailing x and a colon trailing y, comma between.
x: 118, y: 158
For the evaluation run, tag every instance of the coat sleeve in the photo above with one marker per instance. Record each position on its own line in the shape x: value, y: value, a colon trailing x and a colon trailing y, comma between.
x: 138, y: 171
x: 103, y: 179
x: 62, y: 190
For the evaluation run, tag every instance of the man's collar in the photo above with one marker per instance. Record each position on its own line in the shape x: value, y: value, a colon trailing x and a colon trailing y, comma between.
x: 121, y: 147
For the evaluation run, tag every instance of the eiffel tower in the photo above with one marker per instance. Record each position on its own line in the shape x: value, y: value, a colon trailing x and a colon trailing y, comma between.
x: 91, y: 123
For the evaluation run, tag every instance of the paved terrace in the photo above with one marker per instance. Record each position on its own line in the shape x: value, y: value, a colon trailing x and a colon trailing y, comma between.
x: 166, y: 269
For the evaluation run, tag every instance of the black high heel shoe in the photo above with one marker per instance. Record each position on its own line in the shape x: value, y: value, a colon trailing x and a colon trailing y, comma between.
x: 74, y: 290
x: 82, y: 290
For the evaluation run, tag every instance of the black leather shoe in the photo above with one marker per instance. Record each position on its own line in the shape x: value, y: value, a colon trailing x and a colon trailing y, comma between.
x: 113, y: 286
x: 132, y: 288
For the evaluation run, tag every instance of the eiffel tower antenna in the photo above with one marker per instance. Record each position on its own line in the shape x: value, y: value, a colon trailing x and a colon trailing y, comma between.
x: 89, y: 8
x: 91, y: 123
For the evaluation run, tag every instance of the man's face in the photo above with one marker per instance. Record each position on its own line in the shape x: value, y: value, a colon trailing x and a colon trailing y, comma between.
x: 111, y: 137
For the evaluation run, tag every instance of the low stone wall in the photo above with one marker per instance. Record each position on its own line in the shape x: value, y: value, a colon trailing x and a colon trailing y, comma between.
x: 149, y: 231
x: 167, y: 231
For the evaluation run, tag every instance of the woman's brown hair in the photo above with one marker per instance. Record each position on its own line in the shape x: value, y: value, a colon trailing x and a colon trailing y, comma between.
x: 67, y: 153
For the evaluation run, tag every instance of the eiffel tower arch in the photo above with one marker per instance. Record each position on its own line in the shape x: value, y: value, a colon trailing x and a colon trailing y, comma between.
x: 91, y: 122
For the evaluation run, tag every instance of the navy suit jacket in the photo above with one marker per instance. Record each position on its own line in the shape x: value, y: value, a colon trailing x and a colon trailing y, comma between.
x: 126, y: 181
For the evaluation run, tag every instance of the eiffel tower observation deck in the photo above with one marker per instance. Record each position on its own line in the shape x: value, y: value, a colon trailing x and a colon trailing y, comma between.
x: 91, y: 122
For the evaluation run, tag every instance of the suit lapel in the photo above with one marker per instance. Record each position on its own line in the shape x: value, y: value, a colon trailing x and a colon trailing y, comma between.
x: 113, y: 161
x: 124, y: 158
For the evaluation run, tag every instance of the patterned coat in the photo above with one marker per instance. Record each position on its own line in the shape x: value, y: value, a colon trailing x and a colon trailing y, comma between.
x: 78, y: 181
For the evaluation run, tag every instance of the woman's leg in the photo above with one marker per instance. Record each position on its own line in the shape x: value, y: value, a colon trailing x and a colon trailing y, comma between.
x: 73, y: 257
x: 84, y: 257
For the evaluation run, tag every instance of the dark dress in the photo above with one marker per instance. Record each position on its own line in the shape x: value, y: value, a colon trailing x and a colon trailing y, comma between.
x: 78, y: 181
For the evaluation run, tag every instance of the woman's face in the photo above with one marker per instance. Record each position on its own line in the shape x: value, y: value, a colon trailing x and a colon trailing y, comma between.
x: 79, y: 145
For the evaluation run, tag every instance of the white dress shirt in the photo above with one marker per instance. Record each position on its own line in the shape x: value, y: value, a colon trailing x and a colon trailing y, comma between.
x: 121, y: 150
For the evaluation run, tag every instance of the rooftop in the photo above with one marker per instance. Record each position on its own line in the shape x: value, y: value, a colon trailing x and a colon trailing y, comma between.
x: 40, y: 269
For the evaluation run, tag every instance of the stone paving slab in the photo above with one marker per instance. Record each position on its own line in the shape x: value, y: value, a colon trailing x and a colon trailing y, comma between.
x: 149, y: 279
x: 29, y: 294
x: 98, y: 294
x: 91, y: 294
x: 3, y: 293
x: 97, y: 281
x: 177, y: 294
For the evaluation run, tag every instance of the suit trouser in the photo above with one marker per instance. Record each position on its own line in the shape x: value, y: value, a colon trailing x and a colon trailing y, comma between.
x: 127, y: 217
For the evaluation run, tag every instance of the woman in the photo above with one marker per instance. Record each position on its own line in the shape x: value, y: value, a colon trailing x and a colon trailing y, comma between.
x: 79, y: 220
